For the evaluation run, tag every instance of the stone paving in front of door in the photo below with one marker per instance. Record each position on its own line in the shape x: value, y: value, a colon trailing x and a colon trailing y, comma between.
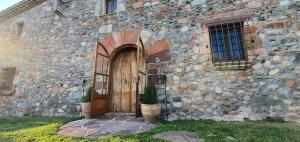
x: 103, y: 126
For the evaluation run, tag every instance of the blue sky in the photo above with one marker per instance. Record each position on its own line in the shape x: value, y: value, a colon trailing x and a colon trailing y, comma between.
x: 7, y: 3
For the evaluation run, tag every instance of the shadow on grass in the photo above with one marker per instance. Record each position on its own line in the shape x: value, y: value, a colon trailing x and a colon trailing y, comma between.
x: 18, y: 123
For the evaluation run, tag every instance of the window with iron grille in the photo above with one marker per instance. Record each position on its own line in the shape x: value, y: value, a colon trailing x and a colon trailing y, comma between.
x: 227, y: 45
x: 111, y: 6
x: 6, y: 80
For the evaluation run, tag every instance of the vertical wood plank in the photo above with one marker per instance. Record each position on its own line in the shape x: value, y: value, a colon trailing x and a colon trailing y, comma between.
x: 93, y: 100
x: 134, y: 74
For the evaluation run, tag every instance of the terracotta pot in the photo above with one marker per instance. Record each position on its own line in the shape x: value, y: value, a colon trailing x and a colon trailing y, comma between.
x: 86, y: 109
x: 150, y: 112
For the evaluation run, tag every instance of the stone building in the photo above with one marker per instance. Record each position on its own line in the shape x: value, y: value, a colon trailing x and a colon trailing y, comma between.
x: 223, y: 59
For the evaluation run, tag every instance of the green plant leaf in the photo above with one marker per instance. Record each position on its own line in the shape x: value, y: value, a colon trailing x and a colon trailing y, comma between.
x: 150, y: 94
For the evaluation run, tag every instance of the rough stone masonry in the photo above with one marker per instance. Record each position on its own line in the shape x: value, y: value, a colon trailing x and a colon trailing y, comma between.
x: 54, y: 53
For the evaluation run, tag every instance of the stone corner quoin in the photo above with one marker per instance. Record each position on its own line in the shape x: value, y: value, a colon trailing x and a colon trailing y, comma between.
x: 52, y: 47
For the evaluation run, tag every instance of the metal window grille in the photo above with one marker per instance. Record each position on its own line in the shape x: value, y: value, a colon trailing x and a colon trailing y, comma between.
x: 59, y: 6
x: 111, y: 6
x: 227, y: 44
x: 6, y: 80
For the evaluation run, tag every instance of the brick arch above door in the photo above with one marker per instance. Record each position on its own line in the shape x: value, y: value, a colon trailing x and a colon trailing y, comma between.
x: 134, y: 36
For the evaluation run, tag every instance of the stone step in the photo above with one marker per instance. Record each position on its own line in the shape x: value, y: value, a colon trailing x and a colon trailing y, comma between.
x: 119, y: 114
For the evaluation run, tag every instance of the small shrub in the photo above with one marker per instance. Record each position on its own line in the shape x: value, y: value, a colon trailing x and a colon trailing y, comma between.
x: 87, y: 98
x: 150, y: 94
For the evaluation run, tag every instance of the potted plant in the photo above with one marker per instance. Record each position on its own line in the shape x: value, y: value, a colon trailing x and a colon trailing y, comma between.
x: 150, y: 109
x: 86, y: 103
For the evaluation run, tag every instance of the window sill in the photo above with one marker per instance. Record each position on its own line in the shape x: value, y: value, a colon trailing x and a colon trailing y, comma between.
x: 110, y: 15
x: 231, y: 65
x: 6, y: 94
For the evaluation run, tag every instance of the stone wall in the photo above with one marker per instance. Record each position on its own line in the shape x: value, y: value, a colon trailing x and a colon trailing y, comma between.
x: 54, y: 55
x: 60, y: 54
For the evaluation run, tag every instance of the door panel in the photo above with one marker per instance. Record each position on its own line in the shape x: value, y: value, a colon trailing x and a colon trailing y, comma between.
x: 142, y: 72
x: 124, y: 71
x: 141, y: 63
x: 100, y: 95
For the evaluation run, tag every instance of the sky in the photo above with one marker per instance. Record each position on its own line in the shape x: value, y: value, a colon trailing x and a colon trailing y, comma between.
x: 7, y: 3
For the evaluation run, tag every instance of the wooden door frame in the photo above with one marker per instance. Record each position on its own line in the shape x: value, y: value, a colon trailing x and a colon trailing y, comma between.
x: 140, y: 51
x: 95, y: 73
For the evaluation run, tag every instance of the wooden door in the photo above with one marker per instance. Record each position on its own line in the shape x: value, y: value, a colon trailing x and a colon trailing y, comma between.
x: 123, y: 84
x: 100, y: 97
x: 141, y: 59
x: 142, y: 77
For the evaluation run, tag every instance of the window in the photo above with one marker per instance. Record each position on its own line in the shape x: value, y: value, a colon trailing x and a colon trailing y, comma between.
x: 59, y: 6
x: 226, y: 40
x: 111, y: 6
x: 20, y: 27
x: 7, y: 76
x: 104, y: 7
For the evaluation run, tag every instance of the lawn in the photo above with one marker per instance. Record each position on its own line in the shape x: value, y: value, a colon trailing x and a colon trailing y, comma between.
x: 43, y: 129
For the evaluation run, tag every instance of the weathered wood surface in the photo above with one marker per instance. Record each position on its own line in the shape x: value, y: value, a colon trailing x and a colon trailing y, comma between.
x: 142, y: 72
x: 123, y: 85
x: 100, y: 97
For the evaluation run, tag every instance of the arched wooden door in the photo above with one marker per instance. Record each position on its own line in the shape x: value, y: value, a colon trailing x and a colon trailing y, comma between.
x: 123, y: 81
x: 118, y: 78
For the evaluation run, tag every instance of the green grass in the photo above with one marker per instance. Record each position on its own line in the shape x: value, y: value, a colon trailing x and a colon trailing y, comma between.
x: 43, y: 129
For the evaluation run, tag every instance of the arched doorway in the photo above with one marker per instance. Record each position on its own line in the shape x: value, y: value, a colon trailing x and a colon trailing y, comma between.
x: 120, y: 70
x: 118, y: 78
